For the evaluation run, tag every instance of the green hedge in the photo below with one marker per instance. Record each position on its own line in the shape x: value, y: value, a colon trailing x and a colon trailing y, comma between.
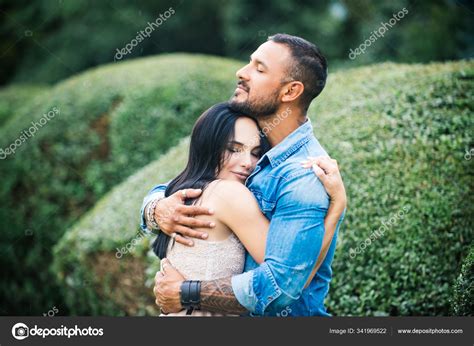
x: 103, y: 125
x: 463, y: 298
x: 399, y: 133
x: 117, y: 244
x: 401, y: 143
x: 14, y: 97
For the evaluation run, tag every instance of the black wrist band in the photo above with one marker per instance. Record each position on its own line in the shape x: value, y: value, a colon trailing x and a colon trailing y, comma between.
x: 191, y: 294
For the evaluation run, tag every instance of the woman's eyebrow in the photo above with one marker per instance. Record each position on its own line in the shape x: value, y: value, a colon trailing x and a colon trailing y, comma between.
x: 242, y: 144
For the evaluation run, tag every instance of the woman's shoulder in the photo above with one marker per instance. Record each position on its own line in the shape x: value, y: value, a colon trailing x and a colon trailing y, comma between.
x: 232, y: 192
x: 227, y: 187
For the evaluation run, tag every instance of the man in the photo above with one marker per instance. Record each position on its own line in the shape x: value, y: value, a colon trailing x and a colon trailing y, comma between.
x: 276, y: 87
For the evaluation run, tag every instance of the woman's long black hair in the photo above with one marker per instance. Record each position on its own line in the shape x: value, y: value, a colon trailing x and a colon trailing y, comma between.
x: 210, y: 137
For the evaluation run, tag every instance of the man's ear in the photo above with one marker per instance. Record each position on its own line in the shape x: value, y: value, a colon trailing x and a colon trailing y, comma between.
x: 292, y: 91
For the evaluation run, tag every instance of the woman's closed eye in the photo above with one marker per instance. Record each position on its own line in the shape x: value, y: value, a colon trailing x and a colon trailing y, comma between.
x: 235, y: 149
x: 256, y: 154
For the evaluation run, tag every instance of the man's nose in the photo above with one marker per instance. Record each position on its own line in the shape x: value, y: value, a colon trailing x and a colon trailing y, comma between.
x: 242, y: 73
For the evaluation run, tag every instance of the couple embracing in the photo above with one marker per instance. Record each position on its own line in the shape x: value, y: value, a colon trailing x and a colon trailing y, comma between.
x: 249, y: 227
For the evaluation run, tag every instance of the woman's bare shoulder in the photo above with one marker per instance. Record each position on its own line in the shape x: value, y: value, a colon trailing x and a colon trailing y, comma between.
x: 232, y: 192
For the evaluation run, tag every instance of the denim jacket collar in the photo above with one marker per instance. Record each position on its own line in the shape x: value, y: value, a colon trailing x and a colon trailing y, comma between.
x: 290, y: 144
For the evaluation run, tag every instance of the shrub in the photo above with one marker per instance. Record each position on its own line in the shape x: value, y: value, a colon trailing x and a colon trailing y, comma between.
x: 462, y: 303
x: 13, y: 97
x: 109, y: 122
x: 119, y: 245
x: 401, y: 143
x: 399, y: 133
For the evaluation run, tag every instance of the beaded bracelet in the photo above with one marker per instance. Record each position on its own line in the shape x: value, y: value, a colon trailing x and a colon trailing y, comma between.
x: 150, y: 213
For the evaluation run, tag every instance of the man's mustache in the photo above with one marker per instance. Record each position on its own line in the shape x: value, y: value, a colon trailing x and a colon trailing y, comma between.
x: 242, y: 84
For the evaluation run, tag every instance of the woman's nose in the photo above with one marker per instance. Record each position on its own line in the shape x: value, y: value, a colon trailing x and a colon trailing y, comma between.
x: 246, y: 161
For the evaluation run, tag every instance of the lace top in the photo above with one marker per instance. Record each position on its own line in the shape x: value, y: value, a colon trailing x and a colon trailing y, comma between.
x: 208, y: 260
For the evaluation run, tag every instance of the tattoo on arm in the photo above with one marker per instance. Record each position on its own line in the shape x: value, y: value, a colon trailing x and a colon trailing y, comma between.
x: 218, y: 296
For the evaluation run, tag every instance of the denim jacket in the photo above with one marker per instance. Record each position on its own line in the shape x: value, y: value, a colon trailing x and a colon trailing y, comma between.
x: 296, y: 203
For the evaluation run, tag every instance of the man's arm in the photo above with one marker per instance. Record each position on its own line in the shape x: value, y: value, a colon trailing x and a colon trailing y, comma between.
x: 290, y: 259
x: 269, y: 282
x: 294, y: 243
x: 158, y: 192
x: 173, y: 216
x: 296, y: 231
x: 218, y: 296
x: 215, y: 295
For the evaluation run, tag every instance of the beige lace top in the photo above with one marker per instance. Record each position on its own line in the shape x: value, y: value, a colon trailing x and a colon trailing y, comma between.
x: 208, y: 260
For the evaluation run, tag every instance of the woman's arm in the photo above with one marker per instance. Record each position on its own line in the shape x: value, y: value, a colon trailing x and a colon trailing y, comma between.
x: 236, y: 207
x: 327, y: 171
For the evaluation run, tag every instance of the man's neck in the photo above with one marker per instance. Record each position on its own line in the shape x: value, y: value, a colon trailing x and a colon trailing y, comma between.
x: 279, y: 126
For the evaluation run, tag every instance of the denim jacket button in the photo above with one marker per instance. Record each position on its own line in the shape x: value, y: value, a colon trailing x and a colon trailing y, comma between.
x: 270, y: 298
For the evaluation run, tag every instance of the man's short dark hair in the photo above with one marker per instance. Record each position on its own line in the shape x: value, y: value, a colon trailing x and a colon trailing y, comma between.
x: 309, y: 66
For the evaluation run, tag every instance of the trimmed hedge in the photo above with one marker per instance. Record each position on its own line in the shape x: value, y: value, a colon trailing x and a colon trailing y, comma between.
x: 118, y: 244
x: 103, y: 125
x: 14, y: 97
x: 399, y: 133
x: 401, y: 143
x: 463, y: 299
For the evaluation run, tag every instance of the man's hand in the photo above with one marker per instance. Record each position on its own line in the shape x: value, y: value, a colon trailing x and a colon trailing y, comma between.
x: 167, y: 288
x: 173, y: 216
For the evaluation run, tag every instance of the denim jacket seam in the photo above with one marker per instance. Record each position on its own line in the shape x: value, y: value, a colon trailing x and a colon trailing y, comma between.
x: 276, y: 160
x: 297, y: 174
x: 260, y: 196
x: 275, y: 292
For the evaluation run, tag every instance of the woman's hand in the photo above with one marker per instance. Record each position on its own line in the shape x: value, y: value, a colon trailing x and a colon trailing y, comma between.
x: 327, y: 170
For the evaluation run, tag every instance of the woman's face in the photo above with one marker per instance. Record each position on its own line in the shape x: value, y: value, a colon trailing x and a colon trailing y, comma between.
x: 243, y: 152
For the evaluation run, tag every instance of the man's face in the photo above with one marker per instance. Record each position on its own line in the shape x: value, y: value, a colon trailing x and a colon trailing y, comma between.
x: 260, y: 84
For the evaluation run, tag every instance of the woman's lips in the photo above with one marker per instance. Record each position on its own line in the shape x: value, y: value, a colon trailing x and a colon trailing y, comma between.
x: 241, y: 175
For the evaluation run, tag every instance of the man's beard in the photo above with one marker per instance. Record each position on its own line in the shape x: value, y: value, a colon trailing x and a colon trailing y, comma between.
x: 261, y: 109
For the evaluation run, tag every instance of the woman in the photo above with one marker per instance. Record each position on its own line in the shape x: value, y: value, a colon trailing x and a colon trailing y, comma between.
x: 225, y: 147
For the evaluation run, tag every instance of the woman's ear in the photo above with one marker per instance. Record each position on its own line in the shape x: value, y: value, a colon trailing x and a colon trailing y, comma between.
x: 292, y: 91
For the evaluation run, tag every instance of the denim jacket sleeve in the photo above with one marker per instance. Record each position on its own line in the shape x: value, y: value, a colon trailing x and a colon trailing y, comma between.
x: 293, y: 245
x: 157, y: 192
